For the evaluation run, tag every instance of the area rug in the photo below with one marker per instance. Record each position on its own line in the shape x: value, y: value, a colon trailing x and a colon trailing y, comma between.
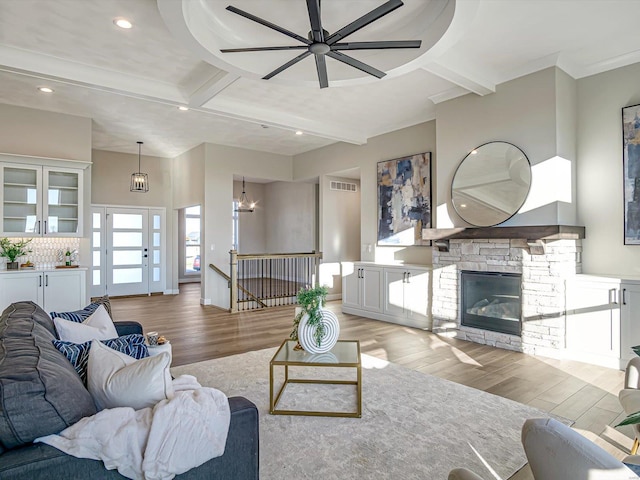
x: 413, y: 425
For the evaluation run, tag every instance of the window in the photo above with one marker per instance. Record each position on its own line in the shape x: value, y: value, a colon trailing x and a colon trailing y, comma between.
x: 192, y: 240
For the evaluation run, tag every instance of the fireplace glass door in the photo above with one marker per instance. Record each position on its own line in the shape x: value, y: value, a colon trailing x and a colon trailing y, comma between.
x: 492, y: 301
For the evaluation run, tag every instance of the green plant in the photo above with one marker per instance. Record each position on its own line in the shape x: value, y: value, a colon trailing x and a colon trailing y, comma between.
x: 630, y: 420
x: 13, y: 250
x: 311, y: 300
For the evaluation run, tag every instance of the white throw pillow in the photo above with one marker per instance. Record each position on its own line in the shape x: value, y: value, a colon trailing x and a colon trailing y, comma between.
x: 98, y: 326
x: 118, y: 380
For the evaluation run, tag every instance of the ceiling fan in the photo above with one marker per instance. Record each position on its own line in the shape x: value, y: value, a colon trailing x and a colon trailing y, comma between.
x: 322, y: 44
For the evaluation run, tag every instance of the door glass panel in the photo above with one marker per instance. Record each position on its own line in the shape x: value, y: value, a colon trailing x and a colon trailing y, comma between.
x: 156, y: 257
x: 32, y: 196
x: 127, y: 257
x: 156, y: 222
x: 127, y: 220
x: 96, y: 239
x: 96, y: 258
x: 96, y: 221
x: 127, y: 239
x: 96, y: 276
x: 156, y: 239
x: 156, y: 274
x: 127, y: 275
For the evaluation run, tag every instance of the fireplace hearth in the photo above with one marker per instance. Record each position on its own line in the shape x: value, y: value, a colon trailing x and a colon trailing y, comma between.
x: 491, y: 301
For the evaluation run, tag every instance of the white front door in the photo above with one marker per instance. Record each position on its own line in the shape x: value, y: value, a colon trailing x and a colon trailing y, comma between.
x: 127, y: 251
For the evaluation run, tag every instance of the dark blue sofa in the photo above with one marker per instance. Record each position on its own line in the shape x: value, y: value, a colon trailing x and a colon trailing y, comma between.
x: 40, y: 394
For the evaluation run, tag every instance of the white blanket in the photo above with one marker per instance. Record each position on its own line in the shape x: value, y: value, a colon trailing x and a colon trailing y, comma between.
x: 152, y: 443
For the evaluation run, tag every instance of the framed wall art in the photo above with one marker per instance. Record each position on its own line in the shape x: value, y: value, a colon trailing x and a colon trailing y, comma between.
x: 631, y: 172
x: 404, y: 200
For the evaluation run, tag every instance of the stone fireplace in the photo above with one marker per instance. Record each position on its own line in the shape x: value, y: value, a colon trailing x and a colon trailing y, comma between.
x: 491, y: 301
x: 544, y: 266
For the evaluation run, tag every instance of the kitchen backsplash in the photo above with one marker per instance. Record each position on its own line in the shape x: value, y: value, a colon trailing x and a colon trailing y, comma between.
x: 45, y: 252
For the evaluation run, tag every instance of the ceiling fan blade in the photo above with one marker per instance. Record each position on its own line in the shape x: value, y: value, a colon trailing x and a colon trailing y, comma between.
x: 377, y: 45
x: 263, y: 49
x: 363, y: 21
x: 341, y: 57
x: 313, y: 6
x: 286, y: 65
x: 273, y: 26
x: 321, y: 66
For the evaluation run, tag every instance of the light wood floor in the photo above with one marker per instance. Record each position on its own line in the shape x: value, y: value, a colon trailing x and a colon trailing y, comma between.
x: 581, y: 392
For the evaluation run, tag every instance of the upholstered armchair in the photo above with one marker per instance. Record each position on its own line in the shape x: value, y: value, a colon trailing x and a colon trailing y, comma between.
x: 555, y: 452
x: 630, y: 395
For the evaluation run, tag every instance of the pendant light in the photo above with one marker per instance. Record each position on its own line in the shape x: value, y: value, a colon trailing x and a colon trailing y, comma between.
x: 244, y: 205
x: 139, y: 181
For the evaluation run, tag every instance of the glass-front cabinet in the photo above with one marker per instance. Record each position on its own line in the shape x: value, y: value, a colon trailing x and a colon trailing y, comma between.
x: 40, y: 201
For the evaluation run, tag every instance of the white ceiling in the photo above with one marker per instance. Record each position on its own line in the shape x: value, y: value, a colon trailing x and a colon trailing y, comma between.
x: 131, y: 81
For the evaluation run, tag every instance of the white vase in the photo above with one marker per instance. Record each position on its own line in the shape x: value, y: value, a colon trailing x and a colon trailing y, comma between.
x: 306, y: 333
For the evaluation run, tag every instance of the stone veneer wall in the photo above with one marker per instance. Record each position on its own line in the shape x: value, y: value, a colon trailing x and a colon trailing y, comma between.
x: 543, y: 290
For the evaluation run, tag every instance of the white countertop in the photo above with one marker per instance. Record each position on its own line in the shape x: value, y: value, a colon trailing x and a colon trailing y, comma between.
x: 43, y: 269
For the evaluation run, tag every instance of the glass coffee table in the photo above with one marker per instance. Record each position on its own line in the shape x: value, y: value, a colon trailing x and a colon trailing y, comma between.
x: 345, y: 354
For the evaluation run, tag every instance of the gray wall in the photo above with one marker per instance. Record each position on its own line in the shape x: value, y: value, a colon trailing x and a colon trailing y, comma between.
x: 341, y: 156
x: 291, y: 217
x: 600, y: 173
x: 252, y: 226
x: 536, y: 113
x: 339, y: 232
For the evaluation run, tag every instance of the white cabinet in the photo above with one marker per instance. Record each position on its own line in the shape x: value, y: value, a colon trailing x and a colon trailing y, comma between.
x: 54, y: 291
x: 362, y: 288
x: 602, y: 319
x: 593, y: 320
x: 392, y: 293
x: 40, y: 200
x: 407, y: 295
x: 630, y: 319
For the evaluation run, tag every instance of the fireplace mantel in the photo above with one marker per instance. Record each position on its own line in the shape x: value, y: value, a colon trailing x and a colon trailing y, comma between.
x: 534, y: 232
x: 535, y: 235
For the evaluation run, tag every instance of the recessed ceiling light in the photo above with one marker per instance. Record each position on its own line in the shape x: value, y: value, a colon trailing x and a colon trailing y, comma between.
x: 474, y: 152
x: 45, y: 89
x: 183, y: 108
x: 299, y: 132
x: 122, y: 22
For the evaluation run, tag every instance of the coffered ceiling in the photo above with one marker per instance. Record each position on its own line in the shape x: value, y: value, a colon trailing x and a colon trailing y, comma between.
x: 130, y: 82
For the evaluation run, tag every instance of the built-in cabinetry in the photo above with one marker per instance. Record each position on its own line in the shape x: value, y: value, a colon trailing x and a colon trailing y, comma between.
x: 40, y: 200
x: 394, y: 293
x: 53, y: 290
x: 602, y: 319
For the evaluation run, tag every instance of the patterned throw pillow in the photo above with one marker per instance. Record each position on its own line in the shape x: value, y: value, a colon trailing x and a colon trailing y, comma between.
x: 81, y: 315
x: 78, y: 353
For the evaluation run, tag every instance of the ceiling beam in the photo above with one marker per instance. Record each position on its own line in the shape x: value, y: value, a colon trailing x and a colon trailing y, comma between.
x: 211, y: 88
x: 462, y: 75
x: 29, y: 63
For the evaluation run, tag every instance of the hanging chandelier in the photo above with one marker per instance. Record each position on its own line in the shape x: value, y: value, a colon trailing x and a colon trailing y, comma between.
x: 139, y: 181
x: 244, y: 205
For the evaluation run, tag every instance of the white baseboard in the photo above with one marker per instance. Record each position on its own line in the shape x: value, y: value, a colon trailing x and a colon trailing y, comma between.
x: 171, y: 292
x: 205, y: 301
x: 334, y: 296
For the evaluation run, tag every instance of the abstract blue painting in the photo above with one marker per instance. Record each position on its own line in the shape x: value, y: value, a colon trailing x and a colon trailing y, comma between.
x: 404, y: 200
x: 631, y: 161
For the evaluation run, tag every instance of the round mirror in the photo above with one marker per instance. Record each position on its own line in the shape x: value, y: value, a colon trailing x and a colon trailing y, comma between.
x: 491, y: 184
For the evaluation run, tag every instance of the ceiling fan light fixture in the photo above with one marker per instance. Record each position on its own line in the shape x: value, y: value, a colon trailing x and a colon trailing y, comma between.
x: 244, y: 205
x: 139, y: 180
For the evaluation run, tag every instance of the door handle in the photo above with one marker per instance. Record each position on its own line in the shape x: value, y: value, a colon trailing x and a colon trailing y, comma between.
x: 40, y: 280
x: 46, y: 280
x: 38, y: 227
x: 408, y: 277
x: 45, y: 227
x: 624, y: 296
x: 404, y: 277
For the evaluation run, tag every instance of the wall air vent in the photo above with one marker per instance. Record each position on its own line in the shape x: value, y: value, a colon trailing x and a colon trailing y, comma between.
x: 343, y: 186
